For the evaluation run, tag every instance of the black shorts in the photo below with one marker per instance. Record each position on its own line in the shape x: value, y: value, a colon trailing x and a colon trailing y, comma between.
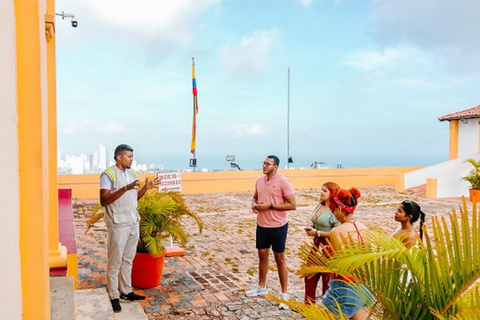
x: 272, y: 237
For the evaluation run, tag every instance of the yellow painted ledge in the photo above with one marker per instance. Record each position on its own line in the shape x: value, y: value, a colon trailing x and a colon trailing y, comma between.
x: 58, y: 258
x: 72, y: 268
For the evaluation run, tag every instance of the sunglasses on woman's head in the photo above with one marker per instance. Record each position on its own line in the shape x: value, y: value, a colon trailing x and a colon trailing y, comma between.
x: 408, y: 202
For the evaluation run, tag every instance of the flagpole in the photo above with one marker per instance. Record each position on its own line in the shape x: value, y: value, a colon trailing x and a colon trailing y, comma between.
x: 193, y: 162
x: 288, y: 120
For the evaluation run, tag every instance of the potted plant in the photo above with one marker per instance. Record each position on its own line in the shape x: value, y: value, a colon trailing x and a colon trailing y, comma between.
x: 474, y: 178
x: 161, y: 215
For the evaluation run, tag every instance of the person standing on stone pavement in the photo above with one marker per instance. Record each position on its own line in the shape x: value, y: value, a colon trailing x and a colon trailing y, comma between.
x: 323, y: 221
x: 119, y: 195
x: 273, y: 196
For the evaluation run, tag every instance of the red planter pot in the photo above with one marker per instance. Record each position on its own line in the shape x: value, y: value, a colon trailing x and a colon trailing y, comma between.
x: 476, y: 193
x: 147, y: 270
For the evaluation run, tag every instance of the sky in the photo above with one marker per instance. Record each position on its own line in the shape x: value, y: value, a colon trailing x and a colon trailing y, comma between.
x: 368, y: 79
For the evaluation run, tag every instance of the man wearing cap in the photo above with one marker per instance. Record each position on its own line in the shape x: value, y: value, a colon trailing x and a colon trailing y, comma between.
x: 119, y: 195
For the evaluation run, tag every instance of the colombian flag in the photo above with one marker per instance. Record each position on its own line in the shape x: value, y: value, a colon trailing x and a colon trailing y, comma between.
x: 195, y: 108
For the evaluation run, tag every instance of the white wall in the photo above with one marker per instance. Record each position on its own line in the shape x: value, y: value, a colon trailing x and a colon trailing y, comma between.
x: 452, y: 185
x: 448, y: 174
x: 467, y: 137
x: 420, y: 176
x: 10, y: 277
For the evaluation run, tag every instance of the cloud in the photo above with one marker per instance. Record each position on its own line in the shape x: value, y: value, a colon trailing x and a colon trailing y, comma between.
x: 449, y: 28
x: 92, y: 127
x: 245, y: 130
x: 388, y: 59
x: 150, y: 23
x: 306, y: 3
x: 251, y: 56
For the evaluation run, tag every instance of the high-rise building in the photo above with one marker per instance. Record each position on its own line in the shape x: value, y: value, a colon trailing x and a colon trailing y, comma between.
x: 102, y: 157
x: 75, y: 164
x: 95, y: 159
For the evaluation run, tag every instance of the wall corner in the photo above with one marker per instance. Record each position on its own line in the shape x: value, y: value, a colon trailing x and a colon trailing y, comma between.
x: 432, y: 188
x: 453, y: 144
x: 400, y: 182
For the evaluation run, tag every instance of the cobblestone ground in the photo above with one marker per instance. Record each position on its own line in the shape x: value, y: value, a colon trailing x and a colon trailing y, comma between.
x: 220, y: 264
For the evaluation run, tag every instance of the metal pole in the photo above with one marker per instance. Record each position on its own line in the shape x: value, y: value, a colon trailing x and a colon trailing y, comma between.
x: 288, y: 120
x: 195, y: 122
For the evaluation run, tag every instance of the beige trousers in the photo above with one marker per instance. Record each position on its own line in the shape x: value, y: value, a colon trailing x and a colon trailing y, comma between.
x: 121, y: 249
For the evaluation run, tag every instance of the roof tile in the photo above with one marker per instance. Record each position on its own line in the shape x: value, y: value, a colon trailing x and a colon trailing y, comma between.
x: 464, y: 114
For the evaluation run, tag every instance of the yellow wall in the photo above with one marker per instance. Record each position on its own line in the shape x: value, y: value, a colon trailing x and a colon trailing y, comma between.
x: 57, y: 252
x: 478, y: 122
x: 33, y: 172
x: 453, y: 144
x: 87, y: 186
x: 432, y: 188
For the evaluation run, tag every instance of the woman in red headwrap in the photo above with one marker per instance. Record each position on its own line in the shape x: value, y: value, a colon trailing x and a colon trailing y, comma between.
x: 342, y: 292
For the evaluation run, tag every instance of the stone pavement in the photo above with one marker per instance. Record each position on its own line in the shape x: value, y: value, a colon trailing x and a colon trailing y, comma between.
x: 210, y: 280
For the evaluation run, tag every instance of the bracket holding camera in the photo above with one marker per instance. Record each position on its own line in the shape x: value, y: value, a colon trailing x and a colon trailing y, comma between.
x: 68, y: 15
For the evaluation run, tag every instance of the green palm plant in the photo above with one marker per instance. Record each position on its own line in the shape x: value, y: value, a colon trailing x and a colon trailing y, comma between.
x: 437, y: 280
x: 474, y: 175
x: 161, y: 215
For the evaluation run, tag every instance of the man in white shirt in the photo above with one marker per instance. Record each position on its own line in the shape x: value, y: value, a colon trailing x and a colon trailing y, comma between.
x: 119, y: 195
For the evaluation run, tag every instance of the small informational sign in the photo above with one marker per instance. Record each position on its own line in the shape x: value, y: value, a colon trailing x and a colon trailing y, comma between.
x: 170, y: 181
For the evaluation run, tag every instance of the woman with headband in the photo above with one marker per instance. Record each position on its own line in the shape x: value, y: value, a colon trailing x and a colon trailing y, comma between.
x: 340, y: 294
x: 407, y: 213
x: 323, y: 221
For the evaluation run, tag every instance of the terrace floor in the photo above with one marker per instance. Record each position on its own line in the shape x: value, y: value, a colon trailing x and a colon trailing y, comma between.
x: 210, y: 280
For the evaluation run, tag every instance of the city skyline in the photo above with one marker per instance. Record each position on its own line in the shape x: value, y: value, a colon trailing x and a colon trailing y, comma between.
x: 96, y: 162
x: 369, y: 79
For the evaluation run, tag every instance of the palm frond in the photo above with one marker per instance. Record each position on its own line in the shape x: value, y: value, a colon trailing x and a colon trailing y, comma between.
x: 439, y: 280
x: 161, y: 215
x: 96, y: 216
x: 310, y: 311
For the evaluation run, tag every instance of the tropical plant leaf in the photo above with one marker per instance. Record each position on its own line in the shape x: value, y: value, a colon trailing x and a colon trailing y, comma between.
x: 161, y: 215
x: 310, y: 311
x: 96, y: 216
x: 437, y: 280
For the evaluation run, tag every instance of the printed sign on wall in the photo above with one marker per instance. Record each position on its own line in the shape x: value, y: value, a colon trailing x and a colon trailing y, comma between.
x: 170, y: 181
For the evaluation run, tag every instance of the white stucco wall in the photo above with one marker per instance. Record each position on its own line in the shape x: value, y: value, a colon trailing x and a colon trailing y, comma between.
x: 418, y: 177
x: 452, y: 185
x: 10, y: 277
x: 467, y: 137
x: 448, y: 174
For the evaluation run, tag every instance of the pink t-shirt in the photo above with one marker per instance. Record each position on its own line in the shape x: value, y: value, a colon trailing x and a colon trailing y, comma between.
x: 272, y: 191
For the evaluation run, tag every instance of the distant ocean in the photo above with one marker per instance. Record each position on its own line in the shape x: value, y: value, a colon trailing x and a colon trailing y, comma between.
x: 253, y: 162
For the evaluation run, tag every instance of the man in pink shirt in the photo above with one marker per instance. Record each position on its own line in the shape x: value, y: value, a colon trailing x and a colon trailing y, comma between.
x: 273, y: 196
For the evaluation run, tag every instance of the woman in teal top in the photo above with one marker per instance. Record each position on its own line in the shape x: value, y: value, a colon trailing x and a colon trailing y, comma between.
x: 323, y: 221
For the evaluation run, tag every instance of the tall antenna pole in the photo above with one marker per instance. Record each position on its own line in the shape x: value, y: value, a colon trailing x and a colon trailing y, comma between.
x: 288, y: 121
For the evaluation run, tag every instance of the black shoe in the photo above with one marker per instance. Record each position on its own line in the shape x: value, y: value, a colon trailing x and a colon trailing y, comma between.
x: 131, y: 296
x: 116, y: 305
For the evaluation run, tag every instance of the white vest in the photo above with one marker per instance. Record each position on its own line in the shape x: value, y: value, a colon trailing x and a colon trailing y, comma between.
x: 122, y: 211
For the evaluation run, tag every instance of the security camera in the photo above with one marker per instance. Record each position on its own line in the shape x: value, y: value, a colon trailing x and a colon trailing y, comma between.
x: 68, y: 15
